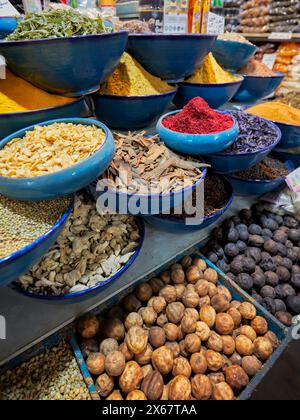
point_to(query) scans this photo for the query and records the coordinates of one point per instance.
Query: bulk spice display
(292, 99)
(270, 168)
(256, 68)
(277, 111)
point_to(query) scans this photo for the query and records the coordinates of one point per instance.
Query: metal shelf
(268, 37)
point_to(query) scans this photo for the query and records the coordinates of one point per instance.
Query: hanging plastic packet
(32, 6)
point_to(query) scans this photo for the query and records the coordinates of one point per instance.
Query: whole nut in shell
(96, 363)
(180, 289)
(115, 363)
(104, 385)
(169, 294)
(171, 331)
(157, 337)
(108, 345)
(244, 345)
(190, 299)
(133, 320)
(193, 274)
(188, 324)
(183, 350)
(145, 357)
(147, 369)
(202, 330)
(162, 360)
(131, 303)
(126, 352)
(208, 315)
(212, 290)
(220, 303)
(175, 312)
(181, 333)
(200, 263)
(136, 396)
(153, 386)
(115, 396)
(201, 387)
(224, 324)
(165, 394)
(181, 366)
(263, 348)
(198, 363)
(215, 342)
(236, 359)
(228, 345)
(205, 301)
(201, 287)
(260, 325)
(235, 304)
(215, 361)
(236, 377)
(162, 320)
(174, 347)
(216, 378)
(149, 315)
(180, 389)
(223, 290)
(131, 378)
(251, 365)
(136, 340)
(273, 339)
(193, 313)
(178, 276)
(166, 277)
(192, 343)
(88, 327)
(143, 292)
(248, 311)
(186, 262)
(222, 392)
(236, 316)
(114, 328)
(211, 276)
(88, 346)
(248, 332)
(159, 304)
(156, 284)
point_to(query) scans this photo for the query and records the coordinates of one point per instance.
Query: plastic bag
(255, 12)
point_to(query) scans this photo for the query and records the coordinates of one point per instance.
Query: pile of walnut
(191, 341)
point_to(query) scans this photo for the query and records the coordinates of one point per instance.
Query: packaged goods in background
(175, 16)
(152, 12)
(108, 7)
(206, 8)
(195, 16)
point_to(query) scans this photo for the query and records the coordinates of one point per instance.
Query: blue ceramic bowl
(131, 112)
(93, 291)
(290, 135)
(232, 55)
(288, 156)
(18, 263)
(196, 144)
(8, 25)
(10, 123)
(170, 57)
(62, 182)
(72, 66)
(215, 95)
(231, 162)
(173, 225)
(255, 88)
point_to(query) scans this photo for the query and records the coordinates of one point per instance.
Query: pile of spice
(270, 168)
(133, 26)
(131, 79)
(255, 134)
(91, 249)
(232, 36)
(142, 164)
(58, 23)
(48, 149)
(292, 99)
(198, 118)
(277, 111)
(17, 95)
(256, 68)
(21, 223)
(211, 72)
(53, 375)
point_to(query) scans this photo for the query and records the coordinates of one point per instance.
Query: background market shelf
(29, 321)
(271, 37)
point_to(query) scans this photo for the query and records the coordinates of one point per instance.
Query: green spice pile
(21, 223)
(57, 24)
(53, 375)
(268, 169)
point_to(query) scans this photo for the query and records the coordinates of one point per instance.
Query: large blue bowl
(233, 55)
(72, 66)
(76, 297)
(173, 225)
(62, 182)
(288, 156)
(170, 57)
(215, 95)
(255, 88)
(18, 263)
(8, 25)
(196, 144)
(10, 123)
(290, 135)
(131, 112)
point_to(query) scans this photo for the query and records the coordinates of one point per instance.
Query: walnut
(186, 262)
(273, 339)
(147, 369)
(183, 350)
(208, 315)
(180, 389)
(181, 333)
(235, 304)
(159, 304)
(190, 299)
(192, 343)
(115, 363)
(131, 303)
(236, 316)
(149, 315)
(248, 311)
(166, 277)
(244, 345)
(126, 352)
(236, 377)
(211, 276)
(216, 378)
(88, 327)
(108, 345)
(215, 342)
(202, 330)
(131, 378)
(114, 328)
(104, 385)
(145, 357)
(171, 331)
(136, 340)
(201, 264)
(96, 363)
(115, 396)
(178, 276)
(212, 290)
(248, 332)
(162, 360)
(263, 348)
(156, 285)
(222, 392)
(181, 367)
(251, 365)
(224, 324)
(198, 363)
(157, 336)
(259, 325)
(174, 347)
(188, 324)
(180, 289)
(88, 346)
(133, 320)
(202, 287)
(201, 387)
(193, 274)
(205, 301)
(143, 292)
(175, 312)
(162, 320)
(228, 345)
(236, 359)
(220, 303)
(165, 394)
(223, 290)
(153, 386)
(215, 361)
(193, 313)
(136, 396)
(169, 294)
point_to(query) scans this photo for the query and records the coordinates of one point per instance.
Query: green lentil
(21, 223)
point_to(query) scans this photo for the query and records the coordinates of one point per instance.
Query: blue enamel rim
(286, 125)
(10, 258)
(36, 111)
(174, 36)
(270, 147)
(67, 296)
(229, 41)
(277, 75)
(132, 98)
(214, 84)
(55, 40)
(21, 133)
(207, 218)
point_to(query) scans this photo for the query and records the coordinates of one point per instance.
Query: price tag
(293, 180)
(215, 24)
(269, 60)
(7, 9)
(281, 35)
(2, 68)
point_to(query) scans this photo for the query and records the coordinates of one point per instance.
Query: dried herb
(268, 169)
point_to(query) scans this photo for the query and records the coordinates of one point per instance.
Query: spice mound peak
(198, 118)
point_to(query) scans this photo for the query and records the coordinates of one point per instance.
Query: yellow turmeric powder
(17, 95)
(211, 72)
(131, 79)
(277, 111)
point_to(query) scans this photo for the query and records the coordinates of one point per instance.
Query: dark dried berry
(291, 222)
(223, 266)
(295, 281)
(293, 304)
(270, 224)
(294, 235)
(267, 234)
(245, 281)
(285, 318)
(259, 279)
(231, 250)
(255, 230)
(272, 278)
(267, 264)
(236, 266)
(277, 260)
(268, 291)
(213, 257)
(283, 274)
(228, 224)
(296, 269)
(254, 253)
(231, 276)
(236, 220)
(269, 305)
(280, 236)
(233, 236)
(278, 219)
(284, 290)
(255, 240)
(292, 254)
(217, 234)
(242, 246)
(281, 250)
(244, 235)
(280, 305)
(271, 247)
(241, 227)
(249, 265)
(257, 297)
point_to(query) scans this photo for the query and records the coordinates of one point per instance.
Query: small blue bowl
(8, 25)
(288, 156)
(10, 123)
(215, 95)
(233, 55)
(290, 135)
(196, 144)
(173, 225)
(17, 264)
(255, 88)
(73, 66)
(170, 57)
(131, 112)
(76, 297)
(62, 182)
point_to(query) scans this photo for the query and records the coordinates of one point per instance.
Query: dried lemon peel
(48, 149)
